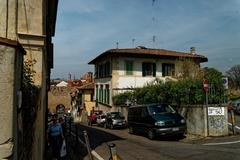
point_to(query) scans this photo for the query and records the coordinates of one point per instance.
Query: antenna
(154, 39)
(153, 1)
(133, 40)
(117, 44)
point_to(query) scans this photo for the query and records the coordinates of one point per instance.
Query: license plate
(119, 123)
(175, 129)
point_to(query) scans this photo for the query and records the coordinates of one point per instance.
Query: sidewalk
(193, 139)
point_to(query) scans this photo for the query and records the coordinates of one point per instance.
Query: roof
(148, 52)
(88, 86)
(62, 84)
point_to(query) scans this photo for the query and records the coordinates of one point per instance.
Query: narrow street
(137, 147)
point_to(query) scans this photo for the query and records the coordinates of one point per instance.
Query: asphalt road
(138, 147)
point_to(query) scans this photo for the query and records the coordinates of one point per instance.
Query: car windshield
(117, 115)
(161, 109)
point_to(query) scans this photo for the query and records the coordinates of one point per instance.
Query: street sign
(215, 111)
(205, 85)
(225, 82)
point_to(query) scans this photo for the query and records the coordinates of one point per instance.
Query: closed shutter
(154, 69)
(143, 69)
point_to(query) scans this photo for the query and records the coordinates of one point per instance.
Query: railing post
(76, 131)
(88, 145)
(233, 121)
(113, 151)
(70, 127)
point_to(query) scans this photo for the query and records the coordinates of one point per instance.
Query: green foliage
(184, 91)
(234, 77)
(121, 98)
(29, 108)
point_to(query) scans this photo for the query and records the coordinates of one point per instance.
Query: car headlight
(183, 121)
(159, 123)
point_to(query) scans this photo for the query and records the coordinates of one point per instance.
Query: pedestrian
(55, 137)
(63, 124)
(84, 115)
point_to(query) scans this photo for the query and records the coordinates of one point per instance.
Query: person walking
(55, 137)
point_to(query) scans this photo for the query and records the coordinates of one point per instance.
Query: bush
(184, 91)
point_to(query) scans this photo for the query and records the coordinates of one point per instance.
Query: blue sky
(86, 28)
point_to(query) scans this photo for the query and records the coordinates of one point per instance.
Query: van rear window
(161, 109)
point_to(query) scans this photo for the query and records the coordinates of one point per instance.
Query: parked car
(155, 119)
(114, 120)
(92, 118)
(101, 119)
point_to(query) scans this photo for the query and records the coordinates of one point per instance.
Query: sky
(87, 28)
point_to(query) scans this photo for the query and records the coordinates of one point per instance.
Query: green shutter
(97, 98)
(129, 67)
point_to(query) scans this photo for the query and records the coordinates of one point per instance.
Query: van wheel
(151, 134)
(131, 130)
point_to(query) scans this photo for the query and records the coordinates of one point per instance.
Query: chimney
(193, 50)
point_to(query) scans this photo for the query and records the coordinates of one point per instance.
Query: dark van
(155, 119)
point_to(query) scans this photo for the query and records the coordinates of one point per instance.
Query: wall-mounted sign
(225, 82)
(215, 111)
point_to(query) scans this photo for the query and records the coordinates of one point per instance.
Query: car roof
(146, 105)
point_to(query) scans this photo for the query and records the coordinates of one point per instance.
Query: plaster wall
(197, 124)
(8, 19)
(10, 82)
(30, 17)
(32, 35)
(35, 56)
(121, 80)
(7, 63)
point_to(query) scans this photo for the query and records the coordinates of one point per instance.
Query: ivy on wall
(29, 107)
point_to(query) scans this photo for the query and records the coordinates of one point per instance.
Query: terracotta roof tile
(149, 52)
(87, 86)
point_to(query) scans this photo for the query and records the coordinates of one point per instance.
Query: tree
(189, 70)
(234, 76)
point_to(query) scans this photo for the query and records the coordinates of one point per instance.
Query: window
(129, 67)
(107, 94)
(148, 69)
(168, 69)
(97, 98)
(101, 93)
(103, 70)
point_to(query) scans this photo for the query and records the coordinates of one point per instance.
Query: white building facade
(119, 70)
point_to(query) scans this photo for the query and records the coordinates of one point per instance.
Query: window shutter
(154, 69)
(143, 69)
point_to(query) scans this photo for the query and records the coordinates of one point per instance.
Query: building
(26, 27)
(86, 93)
(119, 70)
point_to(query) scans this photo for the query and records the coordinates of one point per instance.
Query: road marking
(235, 126)
(222, 143)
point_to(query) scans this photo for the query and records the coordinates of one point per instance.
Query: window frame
(153, 70)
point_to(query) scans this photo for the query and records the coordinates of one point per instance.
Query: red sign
(205, 85)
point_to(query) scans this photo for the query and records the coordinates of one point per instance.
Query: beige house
(26, 27)
(86, 93)
(119, 70)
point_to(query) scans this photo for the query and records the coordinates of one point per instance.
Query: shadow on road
(96, 137)
(164, 138)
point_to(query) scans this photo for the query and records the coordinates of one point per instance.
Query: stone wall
(198, 124)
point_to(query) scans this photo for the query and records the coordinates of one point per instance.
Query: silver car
(101, 119)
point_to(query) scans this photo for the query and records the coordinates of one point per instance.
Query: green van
(155, 119)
